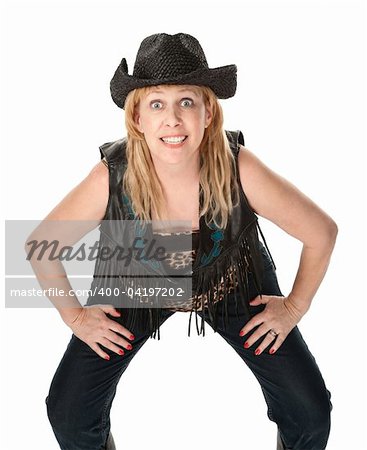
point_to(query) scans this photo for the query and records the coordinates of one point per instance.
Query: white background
(301, 105)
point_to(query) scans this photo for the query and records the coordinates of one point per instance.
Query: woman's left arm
(273, 197)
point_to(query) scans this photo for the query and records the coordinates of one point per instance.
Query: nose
(172, 117)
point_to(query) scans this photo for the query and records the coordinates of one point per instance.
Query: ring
(272, 332)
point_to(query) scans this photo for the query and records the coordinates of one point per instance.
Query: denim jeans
(84, 385)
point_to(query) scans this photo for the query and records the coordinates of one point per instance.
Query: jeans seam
(104, 412)
(270, 409)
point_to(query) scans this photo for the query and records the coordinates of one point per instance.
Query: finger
(96, 348)
(109, 309)
(259, 300)
(279, 341)
(118, 328)
(106, 342)
(256, 335)
(252, 323)
(116, 339)
(268, 339)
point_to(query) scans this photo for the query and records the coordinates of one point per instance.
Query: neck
(178, 177)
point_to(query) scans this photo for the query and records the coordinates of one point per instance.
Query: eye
(155, 103)
(187, 102)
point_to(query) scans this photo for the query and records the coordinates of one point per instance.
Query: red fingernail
(257, 351)
(121, 352)
(129, 347)
(246, 345)
(107, 357)
(132, 337)
(272, 351)
(241, 333)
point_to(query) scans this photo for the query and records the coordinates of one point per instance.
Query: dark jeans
(84, 385)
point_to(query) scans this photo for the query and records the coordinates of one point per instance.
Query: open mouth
(174, 140)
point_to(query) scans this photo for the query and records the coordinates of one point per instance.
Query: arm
(273, 197)
(86, 203)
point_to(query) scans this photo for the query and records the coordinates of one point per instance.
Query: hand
(279, 314)
(93, 327)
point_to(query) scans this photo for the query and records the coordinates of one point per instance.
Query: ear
(137, 121)
(208, 117)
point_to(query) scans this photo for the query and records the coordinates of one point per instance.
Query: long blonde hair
(217, 175)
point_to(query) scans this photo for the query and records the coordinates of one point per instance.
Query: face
(173, 119)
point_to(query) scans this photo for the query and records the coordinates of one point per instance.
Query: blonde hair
(217, 175)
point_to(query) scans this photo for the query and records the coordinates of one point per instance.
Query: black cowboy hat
(172, 59)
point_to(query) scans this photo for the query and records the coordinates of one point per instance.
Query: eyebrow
(180, 90)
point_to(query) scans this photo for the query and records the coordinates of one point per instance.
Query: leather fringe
(240, 259)
(243, 258)
(125, 284)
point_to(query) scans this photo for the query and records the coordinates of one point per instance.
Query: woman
(177, 163)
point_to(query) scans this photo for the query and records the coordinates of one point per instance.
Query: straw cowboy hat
(172, 59)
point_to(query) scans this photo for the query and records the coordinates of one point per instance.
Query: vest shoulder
(235, 138)
(114, 152)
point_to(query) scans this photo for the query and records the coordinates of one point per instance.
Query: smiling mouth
(174, 140)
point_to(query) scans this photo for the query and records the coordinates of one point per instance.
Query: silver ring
(272, 332)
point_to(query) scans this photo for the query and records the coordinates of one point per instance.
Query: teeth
(174, 140)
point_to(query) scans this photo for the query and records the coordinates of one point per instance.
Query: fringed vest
(233, 251)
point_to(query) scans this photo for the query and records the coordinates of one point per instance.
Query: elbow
(329, 235)
(322, 236)
(28, 241)
(27, 248)
(332, 231)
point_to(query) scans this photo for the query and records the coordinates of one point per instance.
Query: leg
(291, 382)
(82, 391)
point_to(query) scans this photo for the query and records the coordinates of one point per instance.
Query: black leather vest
(235, 249)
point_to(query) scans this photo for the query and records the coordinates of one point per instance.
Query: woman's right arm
(84, 206)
